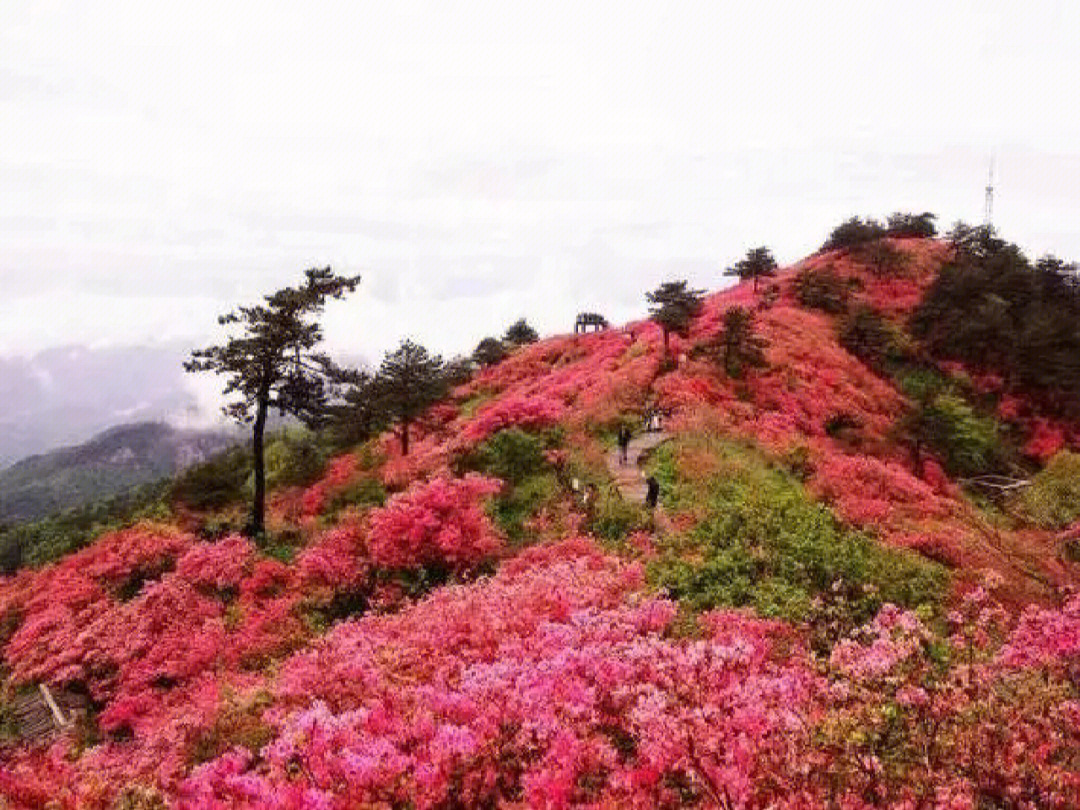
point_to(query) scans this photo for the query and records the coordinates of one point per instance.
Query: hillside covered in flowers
(828, 608)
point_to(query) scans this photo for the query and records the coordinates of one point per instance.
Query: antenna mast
(988, 214)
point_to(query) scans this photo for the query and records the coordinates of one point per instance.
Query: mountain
(857, 588)
(60, 396)
(114, 460)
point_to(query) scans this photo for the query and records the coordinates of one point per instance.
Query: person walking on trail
(623, 437)
(652, 493)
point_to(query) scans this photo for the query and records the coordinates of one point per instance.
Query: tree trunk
(258, 504)
(666, 333)
(404, 437)
(755, 277)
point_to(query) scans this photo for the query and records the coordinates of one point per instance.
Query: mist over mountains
(63, 395)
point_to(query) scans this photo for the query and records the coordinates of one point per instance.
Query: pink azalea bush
(551, 685)
(530, 412)
(439, 522)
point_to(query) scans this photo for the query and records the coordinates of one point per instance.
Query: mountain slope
(110, 462)
(817, 615)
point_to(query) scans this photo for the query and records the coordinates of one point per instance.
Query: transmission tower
(988, 214)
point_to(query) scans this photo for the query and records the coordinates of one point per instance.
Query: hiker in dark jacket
(652, 494)
(623, 437)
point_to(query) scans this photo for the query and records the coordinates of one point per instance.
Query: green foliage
(517, 457)
(39, 542)
(614, 519)
(488, 352)
(968, 443)
(943, 419)
(993, 310)
(881, 258)
(410, 380)
(360, 494)
(518, 502)
(294, 457)
(740, 347)
(821, 289)
(673, 305)
(853, 232)
(11, 552)
(215, 483)
(519, 333)
(871, 338)
(758, 263)
(357, 415)
(764, 542)
(1053, 499)
(512, 455)
(903, 225)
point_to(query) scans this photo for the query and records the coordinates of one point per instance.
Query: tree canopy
(758, 263)
(272, 363)
(489, 351)
(409, 381)
(992, 309)
(520, 332)
(673, 306)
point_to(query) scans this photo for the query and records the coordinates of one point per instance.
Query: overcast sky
(160, 162)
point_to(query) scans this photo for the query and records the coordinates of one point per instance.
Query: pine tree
(519, 333)
(273, 364)
(673, 307)
(740, 347)
(410, 380)
(489, 351)
(759, 262)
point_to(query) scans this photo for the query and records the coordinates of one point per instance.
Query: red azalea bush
(529, 412)
(545, 687)
(339, 472)
(440, 522)
(336, 559)
(217, 565)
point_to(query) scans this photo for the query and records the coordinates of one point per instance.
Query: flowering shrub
(904, 731)
(219, 565)
(525, 412)
(572, 697)
(222, 678)
(438, 523)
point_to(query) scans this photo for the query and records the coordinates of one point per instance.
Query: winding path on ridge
(628, 477)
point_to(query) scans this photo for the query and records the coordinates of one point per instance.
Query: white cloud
(482, 161)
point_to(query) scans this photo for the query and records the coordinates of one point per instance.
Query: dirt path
(628, 476)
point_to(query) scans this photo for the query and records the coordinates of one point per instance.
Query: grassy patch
(760, 540)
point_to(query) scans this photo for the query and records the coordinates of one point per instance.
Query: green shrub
(969, 444)
(512, 455)
(1053, 499)
(854, 232)
(871, 338)
(518, 502)
(362, 493)
(765, 543)
(614, 519)
(821, 289)
(294, 457)
(216, 482)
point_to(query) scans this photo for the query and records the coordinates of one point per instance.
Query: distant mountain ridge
(60, 396)
(112, 461)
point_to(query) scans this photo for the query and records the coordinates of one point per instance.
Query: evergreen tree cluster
(993, 309)
(854, 232)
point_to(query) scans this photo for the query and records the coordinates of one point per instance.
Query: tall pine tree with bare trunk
(273, 364)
